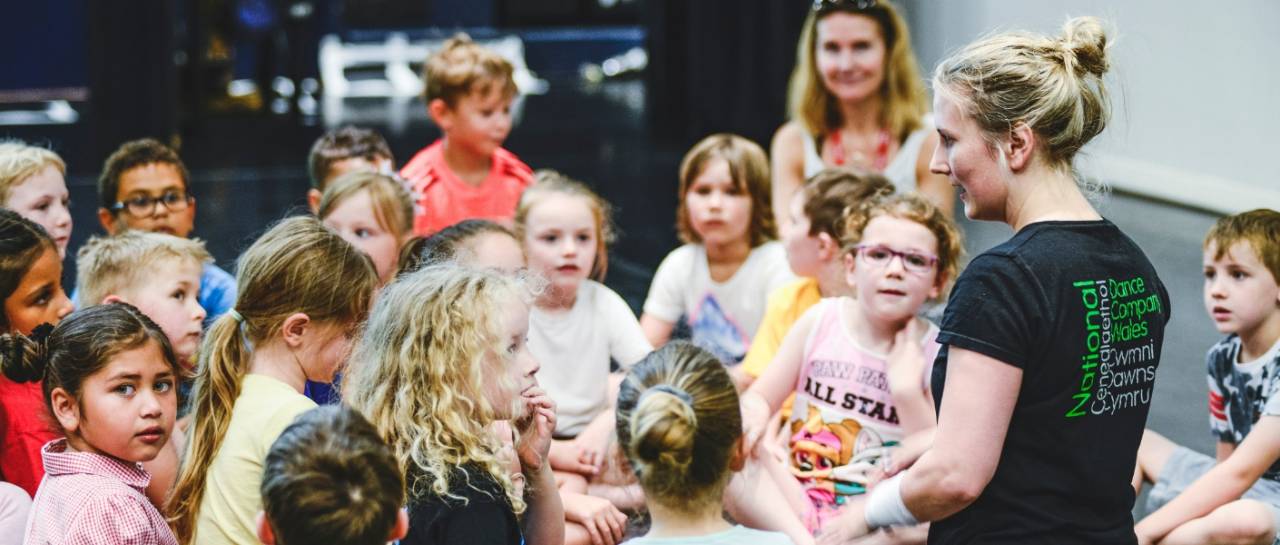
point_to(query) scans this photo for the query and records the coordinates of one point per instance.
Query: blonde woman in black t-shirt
(1051, 339)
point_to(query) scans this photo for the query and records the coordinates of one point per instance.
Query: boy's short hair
(131, 155)
(341, 144)
(1260, 228)
(462, 66)
(330, 478)
(121, 263)
(830, 195)
(19, 161)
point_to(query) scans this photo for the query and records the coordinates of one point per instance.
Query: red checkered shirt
(88, 498)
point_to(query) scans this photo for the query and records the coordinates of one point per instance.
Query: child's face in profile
(478, 122)
(124, 410)
(155, 180)
(719, 211)
(355, 221)
(893, 287)
(38, 297)
(493, 251)
(1240, 293)
(170, 299)
(560, 239)
(513, 369)
(43, 199)
(803, 249)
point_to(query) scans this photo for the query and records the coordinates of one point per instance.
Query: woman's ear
(65, 410)
(1019, 148)
(295, 328)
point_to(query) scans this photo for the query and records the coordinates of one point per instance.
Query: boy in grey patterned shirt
(1235, 498)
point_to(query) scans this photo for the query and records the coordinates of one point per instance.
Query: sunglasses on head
(830, 5)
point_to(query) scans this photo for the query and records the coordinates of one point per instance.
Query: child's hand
(906, 360)
(570, 456)
(849, 525)
(755, 419)
(602, 520)
(535, 429)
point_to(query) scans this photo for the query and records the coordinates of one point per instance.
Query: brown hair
(298, 265)
(19, 161)
(1260, 228)
(462, 67)
(341, 144)
(392, 205)
(678, 423)
(329, 478)
(830, 195)
(749, 168)
(911, 206)
(22, 242)
(111, 265)
(131, 155)
(82, 344)
(548, 182)
(1053, 85)
(905, 101)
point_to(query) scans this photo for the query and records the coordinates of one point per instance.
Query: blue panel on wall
(43, 45)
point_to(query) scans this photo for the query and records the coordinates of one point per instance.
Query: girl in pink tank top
(858, 365)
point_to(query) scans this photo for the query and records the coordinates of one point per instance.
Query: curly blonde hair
(418, 373)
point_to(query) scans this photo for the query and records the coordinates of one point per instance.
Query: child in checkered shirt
(109, 376)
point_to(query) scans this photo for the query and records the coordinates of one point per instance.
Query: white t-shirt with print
(574, 348)
(722, 316)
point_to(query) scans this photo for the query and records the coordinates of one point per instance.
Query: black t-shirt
(485, 518)
(1079, 308)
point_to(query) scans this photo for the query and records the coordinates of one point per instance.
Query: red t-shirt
(25, 427)
(442, 199)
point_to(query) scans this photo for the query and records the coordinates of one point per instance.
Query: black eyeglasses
(142, 206)
(857, 5)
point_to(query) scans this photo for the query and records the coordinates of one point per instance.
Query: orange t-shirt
(442, 199)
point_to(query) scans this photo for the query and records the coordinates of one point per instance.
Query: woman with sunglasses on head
(856, 99)
(1050, 340)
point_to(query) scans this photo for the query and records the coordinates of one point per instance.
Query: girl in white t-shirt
(576, 327)
(720, 279)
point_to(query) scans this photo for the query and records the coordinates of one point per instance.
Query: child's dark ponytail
(25, 358)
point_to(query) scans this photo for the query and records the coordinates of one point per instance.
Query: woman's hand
(535, 430)
(603, 521)
(849, 525)
(755, 419)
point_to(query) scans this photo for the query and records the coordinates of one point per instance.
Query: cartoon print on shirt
(833, 460)
(713, 330)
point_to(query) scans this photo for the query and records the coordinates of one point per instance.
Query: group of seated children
(493, 389)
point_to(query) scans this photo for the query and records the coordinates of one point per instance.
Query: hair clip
(673, 390)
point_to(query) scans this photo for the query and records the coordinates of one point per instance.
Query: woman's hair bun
(1084, 44)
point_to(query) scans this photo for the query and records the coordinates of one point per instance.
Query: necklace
(881, 160)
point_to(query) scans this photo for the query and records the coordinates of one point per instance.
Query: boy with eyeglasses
(144, 186)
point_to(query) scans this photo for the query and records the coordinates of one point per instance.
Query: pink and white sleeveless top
(843, 420)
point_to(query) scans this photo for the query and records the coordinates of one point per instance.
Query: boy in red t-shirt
(466, 174)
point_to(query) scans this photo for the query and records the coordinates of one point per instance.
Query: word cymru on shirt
(1116, 345)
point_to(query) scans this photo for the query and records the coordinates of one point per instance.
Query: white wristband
(885, 506)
